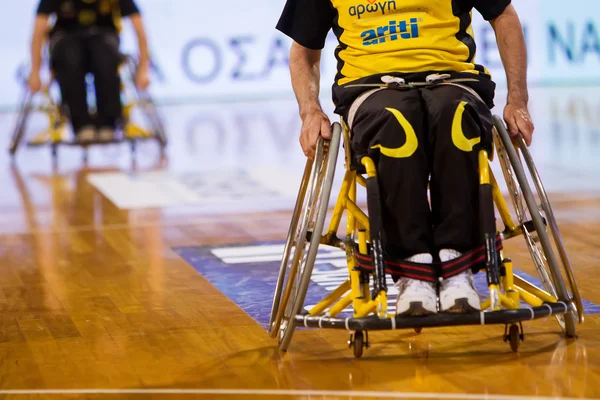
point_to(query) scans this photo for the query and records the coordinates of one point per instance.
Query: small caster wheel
(54, 152)
(358, 341)
(418, 330)
(133, 147)
(358, 344)
(514, 336)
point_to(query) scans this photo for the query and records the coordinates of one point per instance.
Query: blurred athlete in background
(85, 39)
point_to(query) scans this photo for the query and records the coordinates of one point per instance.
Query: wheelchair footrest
(94, 142)
(373, 323)
(75, 143)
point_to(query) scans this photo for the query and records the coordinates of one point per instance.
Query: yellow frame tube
(361, 180)
(501, 205)
(369, 166)
(529, 298)
(363, 309)
(508, 302)
(351, 221)
(338, 210)
(486, 304)
(330, 298)
(484, 168)
(381, 302)
(508, 282)
(358, 214)
(355, 295)
(505, 301)
(525, 286)
(340, 305)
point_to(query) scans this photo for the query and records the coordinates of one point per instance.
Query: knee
(107, 48)
(388, 106)
(66, 57)
(457, 104)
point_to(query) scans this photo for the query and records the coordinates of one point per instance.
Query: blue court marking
(247, 274)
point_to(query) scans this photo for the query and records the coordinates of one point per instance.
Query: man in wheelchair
(85, 39)
(416, 102)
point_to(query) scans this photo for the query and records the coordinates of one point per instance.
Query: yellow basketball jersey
(403, 36)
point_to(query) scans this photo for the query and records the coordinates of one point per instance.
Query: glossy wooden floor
(94, 298)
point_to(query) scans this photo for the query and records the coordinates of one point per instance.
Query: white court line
(267, 392)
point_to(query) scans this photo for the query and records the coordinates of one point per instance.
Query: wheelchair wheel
(147, 105)
(306, 236)
(19, 132)
(154, 118)
(551, 220)
(537, 239)
(290, 243)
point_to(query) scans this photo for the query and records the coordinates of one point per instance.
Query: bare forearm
(305, 74)
(138, 26)
(144, 55)
(513, 52)
(37, 42)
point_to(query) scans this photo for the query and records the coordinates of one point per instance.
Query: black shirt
(79, 14)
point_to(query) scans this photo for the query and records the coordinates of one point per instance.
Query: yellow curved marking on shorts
(408, 148)
(458, 136)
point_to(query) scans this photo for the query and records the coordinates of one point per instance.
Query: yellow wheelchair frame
(370, 307)
(57, 133)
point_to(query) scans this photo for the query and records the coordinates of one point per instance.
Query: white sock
(449, 255)
(422, 258)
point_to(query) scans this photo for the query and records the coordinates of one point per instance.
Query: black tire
(524, 201)
(358, 344)
(314, 213)
(514, 337)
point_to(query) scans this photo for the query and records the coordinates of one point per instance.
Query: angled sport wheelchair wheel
(303, 240)
(533, 219)
(19, 132)
(154, 118)
(147, 106)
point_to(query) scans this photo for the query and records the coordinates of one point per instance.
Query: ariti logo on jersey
(393, 31)
(374, 6)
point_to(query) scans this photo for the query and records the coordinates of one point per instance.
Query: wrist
(310, 109)
(518, 98)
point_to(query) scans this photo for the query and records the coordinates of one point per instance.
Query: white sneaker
(458, 294)
(416, 297)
